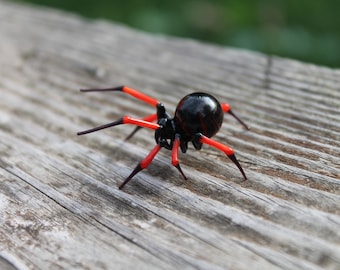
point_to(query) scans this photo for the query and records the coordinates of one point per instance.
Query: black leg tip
(233, 159)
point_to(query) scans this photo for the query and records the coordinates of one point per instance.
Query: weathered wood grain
(59, 202)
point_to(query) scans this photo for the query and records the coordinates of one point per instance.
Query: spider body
(197, 118)
(198, 113)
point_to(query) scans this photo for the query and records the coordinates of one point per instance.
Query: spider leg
(123, 120)
(226, 108)
(174, 155)
(127, 90)
(149, 118)
(224, 148)
(142, 164)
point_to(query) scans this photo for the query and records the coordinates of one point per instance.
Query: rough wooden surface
(59, 202)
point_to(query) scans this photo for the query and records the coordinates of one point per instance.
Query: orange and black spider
(198, 117)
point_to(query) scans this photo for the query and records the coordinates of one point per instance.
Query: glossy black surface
(198, 113)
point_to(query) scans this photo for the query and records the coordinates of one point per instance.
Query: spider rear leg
(135, 93)
(142, 164)
(226, 108)
(174, 155)
(224, 148)
(123, 120)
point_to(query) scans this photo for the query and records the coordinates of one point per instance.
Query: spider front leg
(148, 159)
(226, 108)
(226, 149)
(123, 120)
(135, 93)
(161, 113)
(142, 165)
(174, 155)
(149, 118)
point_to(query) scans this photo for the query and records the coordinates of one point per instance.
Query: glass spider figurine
(198, 117)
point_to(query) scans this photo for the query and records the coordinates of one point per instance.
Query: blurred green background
(307, 30)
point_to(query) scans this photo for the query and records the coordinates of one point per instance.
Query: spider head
(165, 134)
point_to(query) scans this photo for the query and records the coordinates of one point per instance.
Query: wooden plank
(59, 201)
